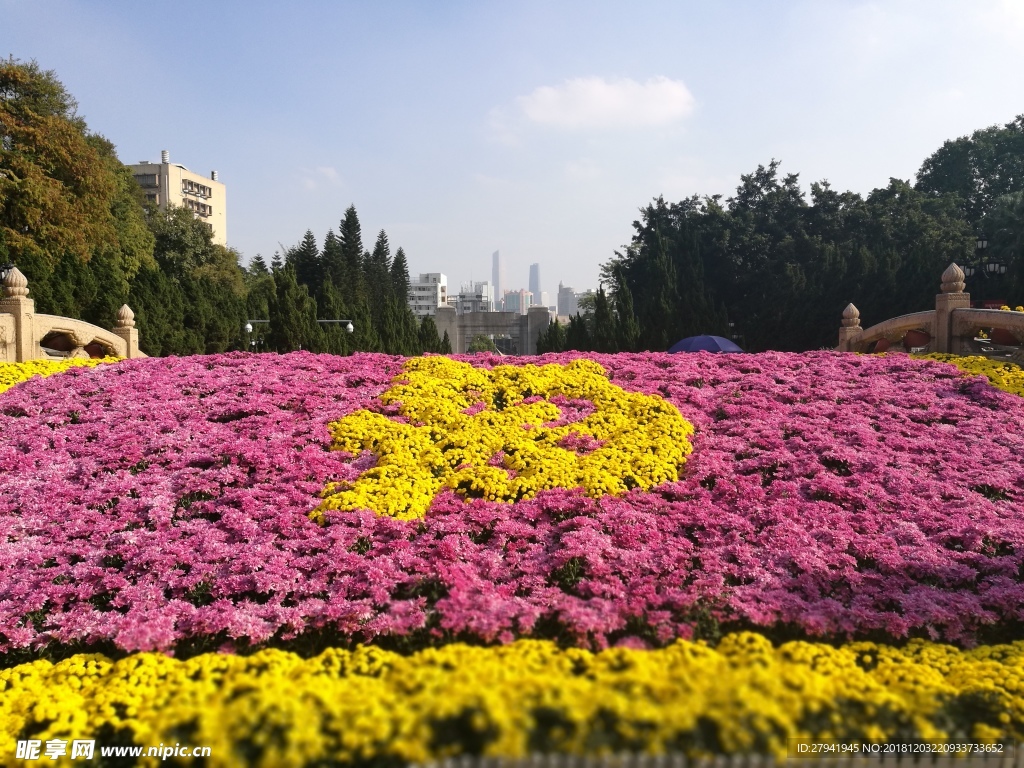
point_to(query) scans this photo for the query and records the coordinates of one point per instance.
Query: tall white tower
(497, 277)
(535, 283)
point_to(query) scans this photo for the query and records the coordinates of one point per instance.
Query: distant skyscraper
(535, 283)
(567, 304)
(497, 274)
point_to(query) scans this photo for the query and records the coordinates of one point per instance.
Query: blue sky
(536, 128)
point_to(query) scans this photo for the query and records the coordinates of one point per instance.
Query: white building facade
(475, 297)
(166, 183)
(428, 292)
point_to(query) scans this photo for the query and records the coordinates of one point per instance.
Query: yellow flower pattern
(15, 373)
(1002, 374)
(511, 449)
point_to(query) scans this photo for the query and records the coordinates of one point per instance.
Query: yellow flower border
(503, 452)
(276, 709)
(12, 374)
(1003, 374)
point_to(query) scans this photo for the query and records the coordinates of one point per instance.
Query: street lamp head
(349, 328)
(982, 241)
(248, 327)
(968, 271)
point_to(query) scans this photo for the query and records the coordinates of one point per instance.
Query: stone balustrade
(951, 327)
(25, 335)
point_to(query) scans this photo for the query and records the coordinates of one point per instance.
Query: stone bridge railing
(951, 327)
(24, 335)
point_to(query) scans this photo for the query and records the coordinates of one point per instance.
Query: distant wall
(523, 329)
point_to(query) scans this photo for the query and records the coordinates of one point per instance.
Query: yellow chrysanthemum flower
(495, 435)
(274, 708)
(15, 373)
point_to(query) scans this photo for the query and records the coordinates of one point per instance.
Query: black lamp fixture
(982, 263)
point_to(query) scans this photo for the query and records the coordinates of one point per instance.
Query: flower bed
(1003, 374)
(226, 503)
(15, 373)
(368, 705)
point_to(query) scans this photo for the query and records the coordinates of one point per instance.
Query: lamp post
(983, 265)
(346, 324)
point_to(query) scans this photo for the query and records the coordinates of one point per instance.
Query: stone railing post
(125, 328)
(952, 297)
(23, 309)
(850, 328)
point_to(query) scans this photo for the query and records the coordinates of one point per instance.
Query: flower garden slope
(825, 495)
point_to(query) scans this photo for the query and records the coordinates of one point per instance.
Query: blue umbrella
(704, 344)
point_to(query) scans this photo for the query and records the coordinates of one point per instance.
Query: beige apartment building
(171, 183)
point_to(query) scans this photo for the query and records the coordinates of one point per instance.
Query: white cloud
(593, 102)
(314, 178)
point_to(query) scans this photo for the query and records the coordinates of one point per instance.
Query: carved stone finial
(953, 279)
(125, 317)
(15, 284)
(851, 317)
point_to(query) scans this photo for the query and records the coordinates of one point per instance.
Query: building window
(199, 190)
(146, 179)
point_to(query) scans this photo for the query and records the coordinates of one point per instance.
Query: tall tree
(577, 334)
(429, 339)
(258, 266)
(1004, 225)
(65, 200)
(332, 260)
(627, 326)
(400, 276)
(293, 320)
(605, 334)
(351, 242)
(306, 259)
(977, 169)
(337, 339)
(552, 339)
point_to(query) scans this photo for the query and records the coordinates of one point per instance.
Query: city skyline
(539, 129)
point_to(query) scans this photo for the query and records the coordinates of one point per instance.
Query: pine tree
(377, 273)
(552, 339)
(159, 305)
(388, 324)
(351, 241)
(293, 321)
(258, 266)
(628, 327)
(400, 276)
(446, 344)
(332, 261)
(306, 259)
(577, 335)
(606, 333)
(337, 339)
(429, 339)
